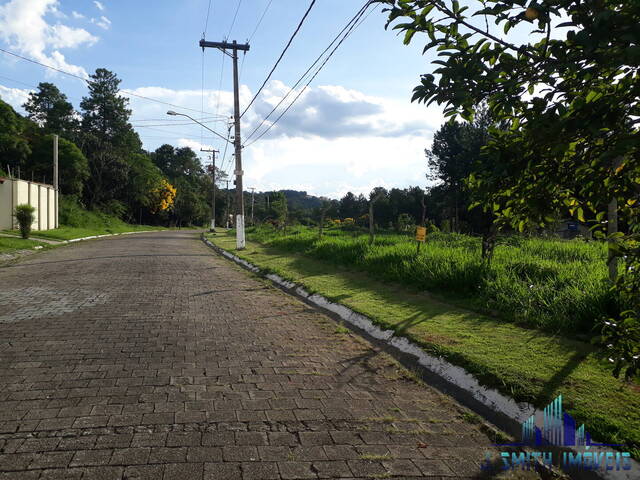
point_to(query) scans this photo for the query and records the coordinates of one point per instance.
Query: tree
(104, 111)
(376, 194)
(569, 95)
(49, 108)
(72, 164)
(14, 148)
(107, 139)
(279, 208)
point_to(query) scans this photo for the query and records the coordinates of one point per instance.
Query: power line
(280, 57)
(206, 22)
(234, 18)
(350, 25)
(125, 91)
(211, 119)
(259, 21)
(173, 124)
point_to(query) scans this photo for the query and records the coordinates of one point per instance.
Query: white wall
(40, 196)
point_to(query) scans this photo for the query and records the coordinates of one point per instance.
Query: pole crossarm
(224, 45)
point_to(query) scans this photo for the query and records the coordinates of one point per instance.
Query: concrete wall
(40, 196)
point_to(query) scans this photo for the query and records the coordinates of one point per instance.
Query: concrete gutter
(499, 409)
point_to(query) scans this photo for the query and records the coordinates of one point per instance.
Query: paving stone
(184, 471)
(150, 357)
(220, 470)
(296, 470)
(260, 471)
(332, 469)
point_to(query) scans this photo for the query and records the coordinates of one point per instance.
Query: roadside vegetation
(551, 284)
(9, 244)
(526, 364)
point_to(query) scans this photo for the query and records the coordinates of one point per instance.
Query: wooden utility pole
(213, 188)
(234, 47)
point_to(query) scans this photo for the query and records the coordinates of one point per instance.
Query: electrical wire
(206, 22)
(259, 21)
(125, 91)
(349, 26)
(280, 57)
(234, 18)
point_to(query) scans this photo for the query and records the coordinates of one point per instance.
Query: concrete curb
(450, 379)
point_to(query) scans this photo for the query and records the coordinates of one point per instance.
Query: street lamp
(171, 112)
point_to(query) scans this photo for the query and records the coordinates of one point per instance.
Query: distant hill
(301, 200)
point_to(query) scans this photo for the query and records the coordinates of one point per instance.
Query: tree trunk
(489, 243)
(612, 227)
(371, 227)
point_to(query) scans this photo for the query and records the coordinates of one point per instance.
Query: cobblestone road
(149, 357)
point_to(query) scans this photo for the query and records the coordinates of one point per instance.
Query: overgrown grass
(525, 364)
(8, 244)
(554, 285)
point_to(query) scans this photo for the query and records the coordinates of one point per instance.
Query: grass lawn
(9, 244)
(526, 364)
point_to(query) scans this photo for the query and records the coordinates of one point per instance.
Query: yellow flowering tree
(163, 196)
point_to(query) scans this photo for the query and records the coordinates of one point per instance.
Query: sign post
(421, 237)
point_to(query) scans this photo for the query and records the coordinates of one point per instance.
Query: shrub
(25, 217)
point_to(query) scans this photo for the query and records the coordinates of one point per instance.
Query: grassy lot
(10, 244)
(554, 285)
(527, 364)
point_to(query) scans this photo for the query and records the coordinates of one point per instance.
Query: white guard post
(240, 232)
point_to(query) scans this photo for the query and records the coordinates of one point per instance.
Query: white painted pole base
(240, 243)
(212, 228)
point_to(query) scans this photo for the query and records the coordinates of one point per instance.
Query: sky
(355, 128)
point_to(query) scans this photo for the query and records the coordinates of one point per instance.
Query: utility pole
(253, 192)
(213, 188)
(234, 47)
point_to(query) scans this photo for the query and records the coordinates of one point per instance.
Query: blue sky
(354, 129)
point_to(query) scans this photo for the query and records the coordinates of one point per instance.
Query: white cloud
(194, 145)
(76, 15)
(14, 97)
(103, 22)
(24, 28)
(332, 111)
(99, 5)
(333, 141)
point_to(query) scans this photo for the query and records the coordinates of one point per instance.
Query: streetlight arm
(171, 112)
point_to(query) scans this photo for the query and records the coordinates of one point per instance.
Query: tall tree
(107, 139)
(14, 148)
(104, 111)
(49, 108)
